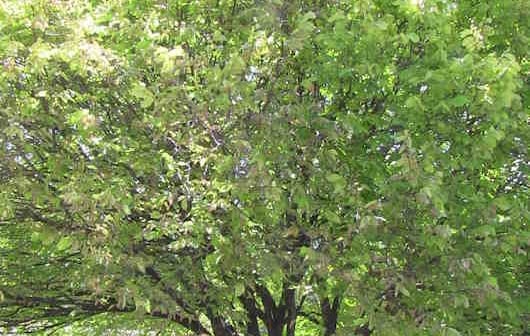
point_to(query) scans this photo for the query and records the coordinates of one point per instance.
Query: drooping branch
(44, 310)
(39, 312)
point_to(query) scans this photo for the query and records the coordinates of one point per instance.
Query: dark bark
(249, 302)
(291, 310)
(363, 330)
(329, 315)
(220, 326)
(272, 314)
(278, 318)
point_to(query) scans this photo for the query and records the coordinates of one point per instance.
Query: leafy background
(348, 167)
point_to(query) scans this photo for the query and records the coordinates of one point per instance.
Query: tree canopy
(265, 167)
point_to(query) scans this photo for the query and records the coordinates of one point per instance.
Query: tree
(266, 167)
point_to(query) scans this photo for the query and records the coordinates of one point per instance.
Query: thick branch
(253, 312)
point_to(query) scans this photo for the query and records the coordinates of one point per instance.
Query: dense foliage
(265, 167)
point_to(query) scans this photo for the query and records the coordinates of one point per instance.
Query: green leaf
(451, 332)
(339, 183)
(144, 94)
(413, 37)
(239, 289)
(402, 289)
(333, 217)
(64, 244)
(460, 100)
(334, 178)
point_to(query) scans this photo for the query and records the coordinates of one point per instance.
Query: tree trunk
(276, 329)
(253, 328)
(329, 315)
(270, 312)
(249, 302)
(290, 318)
(220, 327)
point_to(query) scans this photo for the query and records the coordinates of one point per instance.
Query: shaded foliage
(266, 167)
